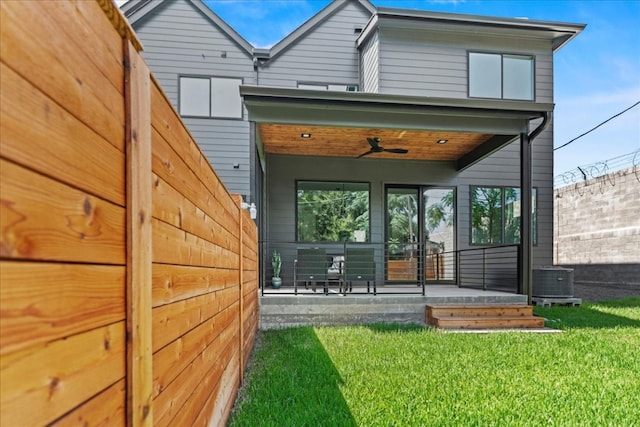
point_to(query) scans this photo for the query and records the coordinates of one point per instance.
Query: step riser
(483, 317)
(490, 323)
(482, 311)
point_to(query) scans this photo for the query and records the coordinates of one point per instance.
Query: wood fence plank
(76, 368)
(172, 359)
(139, 240)
(209, 362)
(175, 246)
(174, 208)
(214, 201)
(173, 283)
(226, 387)
(107, 409)
(41, 219)
(87, 84)
(172, 321)
(42, 302)
(40, 134)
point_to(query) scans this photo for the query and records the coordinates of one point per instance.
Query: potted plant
(276, 263)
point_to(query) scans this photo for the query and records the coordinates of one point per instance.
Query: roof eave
(360, 109)
(136, 10)
(560, 33)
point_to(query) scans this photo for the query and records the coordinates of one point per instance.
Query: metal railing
(398, 268)
(489, 268)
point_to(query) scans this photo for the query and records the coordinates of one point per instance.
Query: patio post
(525, 217)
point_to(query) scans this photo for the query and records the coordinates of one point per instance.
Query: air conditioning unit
(553, 282)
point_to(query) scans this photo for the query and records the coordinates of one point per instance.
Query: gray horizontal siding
(327, 54)
(428, 63)
(503, 169)
(282, 172)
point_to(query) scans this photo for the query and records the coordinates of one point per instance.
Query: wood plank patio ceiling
(352, 142)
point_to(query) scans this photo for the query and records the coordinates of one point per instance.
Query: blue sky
(597, 75)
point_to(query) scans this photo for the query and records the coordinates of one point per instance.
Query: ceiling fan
(376, 148)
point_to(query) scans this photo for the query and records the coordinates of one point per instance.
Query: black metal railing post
(484, 269)
(458, 270)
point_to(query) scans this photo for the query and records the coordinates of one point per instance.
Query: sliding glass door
(419, 233)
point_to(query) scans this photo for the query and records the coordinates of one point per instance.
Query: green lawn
(391, 375)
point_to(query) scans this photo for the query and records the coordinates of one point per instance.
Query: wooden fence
(128, 274)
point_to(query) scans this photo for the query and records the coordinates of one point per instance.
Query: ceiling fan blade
(396, 150)
(365, 154)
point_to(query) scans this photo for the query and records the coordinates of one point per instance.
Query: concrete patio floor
(279, 308)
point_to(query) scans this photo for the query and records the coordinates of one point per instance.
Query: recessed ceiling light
(442, 141)
(305, 135)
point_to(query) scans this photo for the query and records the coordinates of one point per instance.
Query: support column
(526, 241)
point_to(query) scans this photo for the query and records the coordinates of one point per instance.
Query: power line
(591, 130)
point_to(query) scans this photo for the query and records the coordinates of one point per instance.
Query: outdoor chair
(359, 266)
(310, 267)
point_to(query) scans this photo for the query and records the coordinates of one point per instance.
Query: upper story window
(317, 86)
(501, 76)
(217, 97)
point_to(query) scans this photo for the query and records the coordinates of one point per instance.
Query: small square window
(210, 97)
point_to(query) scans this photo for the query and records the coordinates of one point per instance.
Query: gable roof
(135, 10)
(316, 20)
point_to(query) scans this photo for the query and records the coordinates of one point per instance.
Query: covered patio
(298, 129)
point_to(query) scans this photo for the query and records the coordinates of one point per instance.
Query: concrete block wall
(598, 221)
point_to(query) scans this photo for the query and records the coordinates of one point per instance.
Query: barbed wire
(599, 169)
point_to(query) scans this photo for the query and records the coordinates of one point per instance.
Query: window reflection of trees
(332, 215)
(495, 215)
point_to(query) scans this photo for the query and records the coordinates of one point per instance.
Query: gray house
(420, 136)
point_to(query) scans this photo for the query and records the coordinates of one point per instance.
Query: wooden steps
(482, 317)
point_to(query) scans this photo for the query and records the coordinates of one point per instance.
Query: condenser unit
(553, 282)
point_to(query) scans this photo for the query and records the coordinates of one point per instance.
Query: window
(338, 88)
(501, 76)
(495, 215)
(332, 211)
(217, 97)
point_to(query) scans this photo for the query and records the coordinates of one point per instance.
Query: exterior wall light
(442, 141)
(253, 211)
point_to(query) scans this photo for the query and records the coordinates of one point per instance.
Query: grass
(394, 375)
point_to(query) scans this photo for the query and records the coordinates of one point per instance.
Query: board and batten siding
(179, 40)
(326, 54)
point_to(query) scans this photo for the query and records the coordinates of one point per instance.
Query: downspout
(526, 222)
(546, 119)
